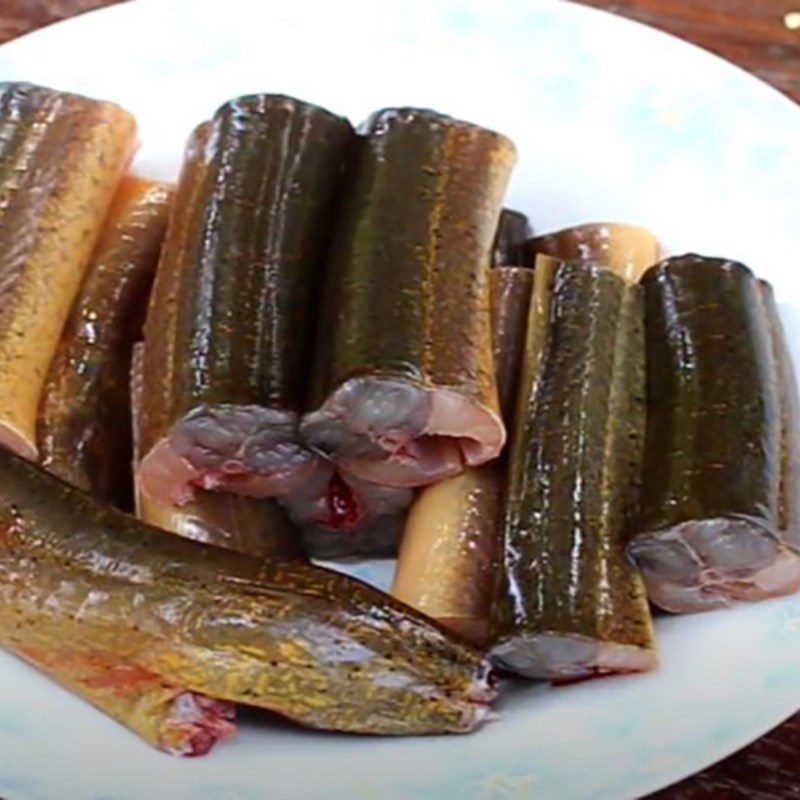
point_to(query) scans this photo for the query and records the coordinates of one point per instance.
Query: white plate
(612, 120)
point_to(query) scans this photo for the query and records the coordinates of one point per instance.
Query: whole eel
(84, 583)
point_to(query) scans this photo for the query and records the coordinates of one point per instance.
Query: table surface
(764, 37)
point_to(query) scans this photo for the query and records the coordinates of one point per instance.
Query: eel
(445, 567)
(447, 561)
(83, 583)
(511, 290)
(85, 416)
(62, 157)
(403, 391)
(258, 527)
(789, 488)
(721, 448)
(513, 231)
(628, 250)
(228, 329)
(568, 603)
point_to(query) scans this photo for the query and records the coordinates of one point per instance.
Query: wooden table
(764, 37)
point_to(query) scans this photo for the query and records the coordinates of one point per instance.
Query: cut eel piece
(789, 489)
(61, 159)
(229, 323)
(513, 231)
(249, 525)
(511, 291)
(628, 250)
(569, 604)
(257, 527)
(315, 646)
(719, 505)
(403, 390)
(447, 561)
(85, 416)
(445, 567)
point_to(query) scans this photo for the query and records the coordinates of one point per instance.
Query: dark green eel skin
(569, 604)
(228, 330)
(511, 290)
(717, 458)
(83, 585)
(403, 391)
(513, 230)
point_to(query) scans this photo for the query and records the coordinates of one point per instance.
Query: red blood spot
(200, 742)
(206, 734)
(216, 724)
(344, 510)
(122, 679)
